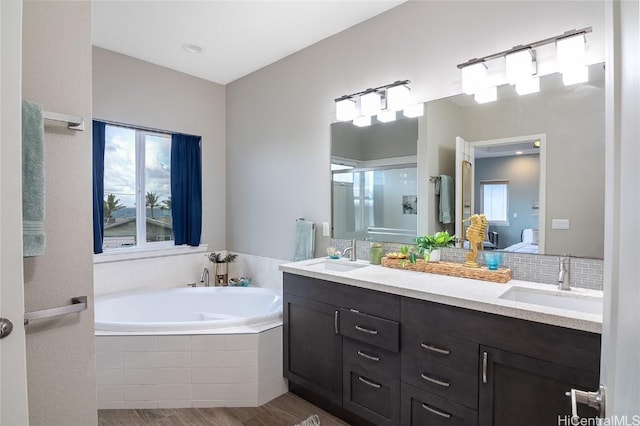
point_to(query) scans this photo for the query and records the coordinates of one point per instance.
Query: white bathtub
(189, 347)
(187, 309)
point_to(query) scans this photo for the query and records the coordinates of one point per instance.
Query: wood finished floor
(286, 410)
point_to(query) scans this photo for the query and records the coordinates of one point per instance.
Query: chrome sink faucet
(204, 279)
(564, 278)
(351, 250)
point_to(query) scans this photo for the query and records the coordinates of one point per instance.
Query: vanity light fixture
(521, 65)
(382, 101)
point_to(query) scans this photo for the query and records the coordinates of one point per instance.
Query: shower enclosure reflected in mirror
(374, 181)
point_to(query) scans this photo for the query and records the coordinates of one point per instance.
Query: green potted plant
(221, 266)
(429, 246)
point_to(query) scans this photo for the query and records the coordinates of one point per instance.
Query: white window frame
(141, 213)
(496, 182)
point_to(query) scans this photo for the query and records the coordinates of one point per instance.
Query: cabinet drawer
(371, 396)
(371, 358)
(435, 378)
(435, 346)
(346, 296)
(369, 329)
(423, 408)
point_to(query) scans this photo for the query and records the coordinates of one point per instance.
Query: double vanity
(383, 346)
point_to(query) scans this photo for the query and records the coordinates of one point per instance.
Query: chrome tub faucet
(204, 279)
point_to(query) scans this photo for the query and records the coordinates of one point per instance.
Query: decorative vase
(434, 256)
(222, 274)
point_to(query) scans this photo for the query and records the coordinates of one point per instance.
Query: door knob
(6, 327)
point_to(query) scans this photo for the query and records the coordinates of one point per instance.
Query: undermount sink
(555, 299)
(336, 265)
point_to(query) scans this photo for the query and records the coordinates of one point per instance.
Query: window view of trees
(136, 215)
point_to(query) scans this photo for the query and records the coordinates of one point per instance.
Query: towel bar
(77, 304)
(73, 122)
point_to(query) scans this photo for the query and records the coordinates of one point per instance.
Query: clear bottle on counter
(375, 253)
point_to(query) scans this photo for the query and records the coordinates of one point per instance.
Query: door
(621, 340)
(13, 382)
(464, 184)
(312, 346)
(520, 390)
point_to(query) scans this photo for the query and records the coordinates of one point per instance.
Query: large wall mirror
(536, 165)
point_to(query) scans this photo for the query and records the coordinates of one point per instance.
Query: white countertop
(466, 293)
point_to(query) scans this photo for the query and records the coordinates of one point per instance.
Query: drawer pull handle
(437, 412)
(336, 326)
(369, 357)
(366, 330)
(435, 349)
(435, 381)
(369, 382)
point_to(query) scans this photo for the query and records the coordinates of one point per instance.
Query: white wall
(278, 117)
(60, 352)
(131, 91)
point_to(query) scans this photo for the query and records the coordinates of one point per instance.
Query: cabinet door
(312, 347)
(518, 390)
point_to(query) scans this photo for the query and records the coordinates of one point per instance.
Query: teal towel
(33, 235)
(305, 240)
(446, 189)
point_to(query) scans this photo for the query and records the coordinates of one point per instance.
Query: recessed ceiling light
(518, 152)
(191, 48)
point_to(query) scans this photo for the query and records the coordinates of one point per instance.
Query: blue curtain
(186, 189)
(98, 185)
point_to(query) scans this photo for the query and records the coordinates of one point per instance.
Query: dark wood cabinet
(383, 359)
(517, 389)
(312, 347)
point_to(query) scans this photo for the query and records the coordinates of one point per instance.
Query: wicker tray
(502, 275)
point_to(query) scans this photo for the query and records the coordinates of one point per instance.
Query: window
(137, 188)
(494, 201)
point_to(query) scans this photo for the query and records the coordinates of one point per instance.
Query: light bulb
(473, 77)
(519, 66)
(345, 109)
(397, 97)
(487, 94)
(415, 110)
(370, 103)
(362, 121)
(386, 116)
(528, 86)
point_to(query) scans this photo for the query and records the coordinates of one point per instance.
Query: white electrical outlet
(560, 224)
(325, 229)
(515, 215)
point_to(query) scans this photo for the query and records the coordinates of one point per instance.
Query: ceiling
(237, 37)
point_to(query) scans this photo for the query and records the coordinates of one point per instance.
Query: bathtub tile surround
(113, 275)
(585, 273)
(242, 370)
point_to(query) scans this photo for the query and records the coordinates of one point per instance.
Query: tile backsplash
(585, 273)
